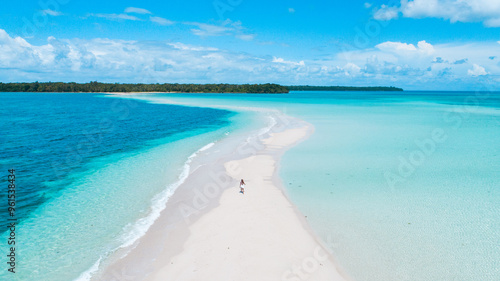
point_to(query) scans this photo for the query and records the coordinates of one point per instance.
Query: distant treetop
(97, 87)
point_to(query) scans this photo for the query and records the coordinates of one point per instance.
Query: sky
(413, 44)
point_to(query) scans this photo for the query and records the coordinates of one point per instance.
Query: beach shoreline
(182, 224)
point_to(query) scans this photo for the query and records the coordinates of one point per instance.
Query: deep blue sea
(47, 137)
(87, 166)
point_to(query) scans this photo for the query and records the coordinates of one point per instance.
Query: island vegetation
(342, 88)
(97, 87)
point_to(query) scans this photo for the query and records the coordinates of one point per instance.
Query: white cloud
(386, 13)
(161, 21)
(368, 5)
(477, 71)
(395, 46)
(137, 11)
(119, 60)
(291, 10)
(415, 65)
(425, 47)
(494, 22)
(206, 30)
(351, 69)
(412, 66)
(486, 11)
(182, 46)
(226, 28)
(281, 60)
(116, 17)
(422, 47)
(51, 12)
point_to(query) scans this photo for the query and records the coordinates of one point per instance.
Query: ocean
(403, 186)
(400, 185)
(92, 173)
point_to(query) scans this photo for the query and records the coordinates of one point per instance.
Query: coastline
(183, 221)
(256, 230)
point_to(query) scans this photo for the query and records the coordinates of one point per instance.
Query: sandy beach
(255, 236)
(259, 235)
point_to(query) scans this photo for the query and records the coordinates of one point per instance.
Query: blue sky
(414, 44)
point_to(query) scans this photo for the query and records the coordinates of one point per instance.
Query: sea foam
(134, 231)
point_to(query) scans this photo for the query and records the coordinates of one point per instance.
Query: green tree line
(97, 87)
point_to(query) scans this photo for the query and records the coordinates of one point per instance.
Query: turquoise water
(436, 219)
(402, 186)
(93, 173)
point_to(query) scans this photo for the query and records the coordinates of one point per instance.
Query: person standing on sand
(242, 186)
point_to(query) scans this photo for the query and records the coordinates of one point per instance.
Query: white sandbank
(258, 235)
